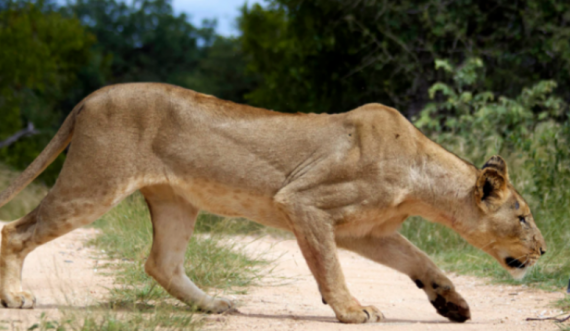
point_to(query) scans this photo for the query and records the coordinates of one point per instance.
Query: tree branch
(559, 320)
(30, 130)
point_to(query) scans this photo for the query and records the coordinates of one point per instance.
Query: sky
(226, 11)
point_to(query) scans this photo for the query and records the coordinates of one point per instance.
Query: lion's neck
(443, 188)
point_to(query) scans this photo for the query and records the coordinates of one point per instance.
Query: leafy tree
(39, 58)
(73, 50)
(145, 39)
(222, 71)
(332, 56)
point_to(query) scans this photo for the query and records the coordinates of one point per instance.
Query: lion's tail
(58, 143)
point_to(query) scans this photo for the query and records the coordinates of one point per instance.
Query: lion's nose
(542, 251)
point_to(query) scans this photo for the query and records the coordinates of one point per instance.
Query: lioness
(347, 180)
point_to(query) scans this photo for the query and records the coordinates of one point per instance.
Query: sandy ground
(61, 274)
(289, 299)
(64, 273)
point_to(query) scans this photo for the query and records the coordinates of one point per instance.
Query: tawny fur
(347, 180)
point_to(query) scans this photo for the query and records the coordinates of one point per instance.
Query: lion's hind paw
(218, 306)
(22, 300)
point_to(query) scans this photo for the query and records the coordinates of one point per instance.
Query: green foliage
(332, 56)
(145, 39)
(210, 223)
(462, 109)
(222, 71)
(528, 131)
(100, 319)
(39, 59)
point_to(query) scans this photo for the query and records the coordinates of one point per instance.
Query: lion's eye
(522, 219)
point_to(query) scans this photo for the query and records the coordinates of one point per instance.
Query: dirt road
(65, 273)
(297, 305)
(61, 273)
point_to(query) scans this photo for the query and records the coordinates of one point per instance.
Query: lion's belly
(233, 202)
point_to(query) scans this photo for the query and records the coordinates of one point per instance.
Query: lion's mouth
(514, 263)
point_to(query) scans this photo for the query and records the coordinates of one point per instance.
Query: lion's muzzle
(514, 263)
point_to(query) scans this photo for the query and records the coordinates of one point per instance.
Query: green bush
(531, 132)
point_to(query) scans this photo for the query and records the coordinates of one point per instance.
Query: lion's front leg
(315, 237)
(397, 252)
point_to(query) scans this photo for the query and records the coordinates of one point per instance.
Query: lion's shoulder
(379, 119)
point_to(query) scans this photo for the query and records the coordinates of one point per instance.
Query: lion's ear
(498, 163)
(491, 189)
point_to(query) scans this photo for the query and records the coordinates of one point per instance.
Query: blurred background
(479, 77)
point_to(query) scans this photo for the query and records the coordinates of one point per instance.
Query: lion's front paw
(25, 300)
(218, 306)
(361, 314)
(451, 305)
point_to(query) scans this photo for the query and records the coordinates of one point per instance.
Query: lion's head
(504, 225)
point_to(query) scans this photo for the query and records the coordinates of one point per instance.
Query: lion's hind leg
(173, 220)
(15, 247)
(66, 207)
